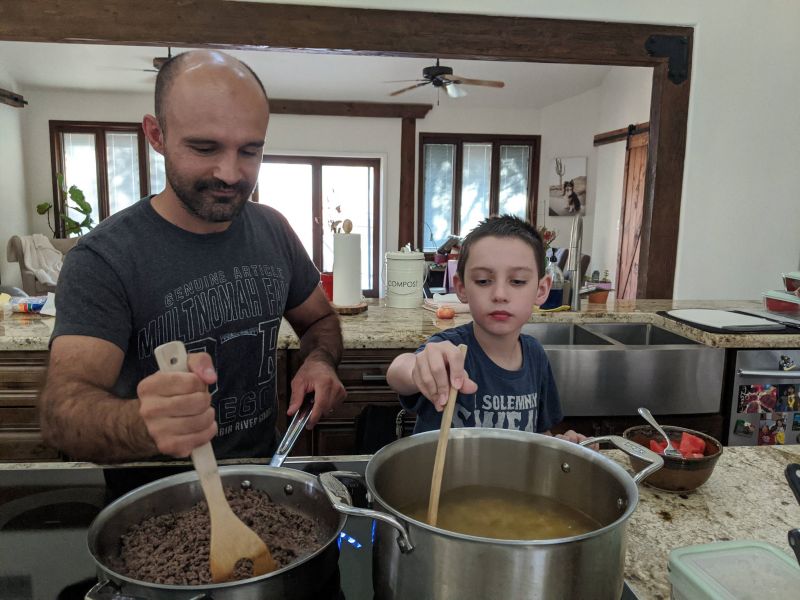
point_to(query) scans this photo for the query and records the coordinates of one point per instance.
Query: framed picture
(567, 186)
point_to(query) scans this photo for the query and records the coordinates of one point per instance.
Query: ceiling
(302, 76)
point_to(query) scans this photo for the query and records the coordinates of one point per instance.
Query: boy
(505, 380)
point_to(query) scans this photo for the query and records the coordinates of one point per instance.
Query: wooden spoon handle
(172, 357)
(441, 451)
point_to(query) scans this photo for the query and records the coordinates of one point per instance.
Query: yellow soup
(504, 514)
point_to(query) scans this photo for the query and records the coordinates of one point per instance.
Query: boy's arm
(399, 374)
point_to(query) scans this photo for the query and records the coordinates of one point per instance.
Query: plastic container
(791, 281)
(735, 570)
(556, 296)
(782, 302)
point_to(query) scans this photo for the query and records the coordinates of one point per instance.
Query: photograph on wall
(567, 181)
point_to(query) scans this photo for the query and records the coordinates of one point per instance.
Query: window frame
(496, 140)
(99, 129)
(317, 162)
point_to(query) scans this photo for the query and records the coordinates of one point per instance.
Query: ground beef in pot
(173, 548)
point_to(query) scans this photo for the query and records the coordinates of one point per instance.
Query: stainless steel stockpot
(299, 580)
(411, 559)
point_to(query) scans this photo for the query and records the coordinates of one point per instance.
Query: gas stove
(45, 515)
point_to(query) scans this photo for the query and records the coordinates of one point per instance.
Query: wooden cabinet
(363, 374)
(21, 378)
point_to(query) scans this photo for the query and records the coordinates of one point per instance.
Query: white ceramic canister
(405, 276)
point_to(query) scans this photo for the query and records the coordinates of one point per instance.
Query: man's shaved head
(180, 63)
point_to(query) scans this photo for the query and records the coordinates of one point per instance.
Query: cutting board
(724, 320)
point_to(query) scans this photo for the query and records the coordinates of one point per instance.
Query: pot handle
(340, 498)
(633, 449)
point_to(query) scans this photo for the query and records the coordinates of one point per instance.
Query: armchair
(15, 253)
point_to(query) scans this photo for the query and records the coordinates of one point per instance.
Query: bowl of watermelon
(700, 454)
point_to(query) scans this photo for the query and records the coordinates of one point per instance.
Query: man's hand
(176, 407)
(576, 438)
(439, 366)
(318, 376)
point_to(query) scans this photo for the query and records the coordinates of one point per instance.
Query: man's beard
(196, 198)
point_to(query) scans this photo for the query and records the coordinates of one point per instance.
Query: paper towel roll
(346, 269)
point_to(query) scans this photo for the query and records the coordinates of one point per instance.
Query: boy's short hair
(503, 226)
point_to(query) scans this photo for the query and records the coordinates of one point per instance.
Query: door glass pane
(287, 188)
(475, 185)
(350, 189)
(122, 158)
(514, 169)
(158, 178)
(439, 170)
(80, 169)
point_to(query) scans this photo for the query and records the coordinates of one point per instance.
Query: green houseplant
(79, 203)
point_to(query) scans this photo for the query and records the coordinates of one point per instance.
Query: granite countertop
(746, 498)
(383, 327)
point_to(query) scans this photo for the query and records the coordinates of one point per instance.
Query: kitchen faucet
(574, 261)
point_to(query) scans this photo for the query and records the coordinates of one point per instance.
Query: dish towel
(42, 258)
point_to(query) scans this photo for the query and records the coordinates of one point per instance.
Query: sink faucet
(574, 261)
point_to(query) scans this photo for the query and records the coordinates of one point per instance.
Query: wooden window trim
(457, 139)
(99, 130)
(317, 162)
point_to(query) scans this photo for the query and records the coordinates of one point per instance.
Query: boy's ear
(461, 291)
(543, 290)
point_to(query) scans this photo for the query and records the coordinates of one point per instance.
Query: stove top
(45, 516)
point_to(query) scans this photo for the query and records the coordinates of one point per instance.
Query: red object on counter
(326, 281)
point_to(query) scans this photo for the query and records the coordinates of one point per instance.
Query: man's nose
(228, 169)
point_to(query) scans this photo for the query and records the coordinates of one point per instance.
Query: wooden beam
(348, 109)
(619, 135)
(261, 26)
(408, 148)
(12, 99)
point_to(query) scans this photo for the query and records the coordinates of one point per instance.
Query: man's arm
(317, 326)
(81, 417)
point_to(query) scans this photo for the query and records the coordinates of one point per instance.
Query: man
(200, 263)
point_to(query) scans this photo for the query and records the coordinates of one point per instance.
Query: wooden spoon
(231, 539)
(441, 451)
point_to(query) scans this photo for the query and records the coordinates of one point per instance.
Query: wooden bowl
(677, 474)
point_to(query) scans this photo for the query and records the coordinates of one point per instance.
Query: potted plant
(79, 204)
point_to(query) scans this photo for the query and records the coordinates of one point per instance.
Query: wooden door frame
(259, 26)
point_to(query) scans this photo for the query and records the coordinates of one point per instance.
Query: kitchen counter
(383, 327)
(746, 498)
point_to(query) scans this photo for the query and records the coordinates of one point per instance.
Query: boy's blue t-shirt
(523, 400)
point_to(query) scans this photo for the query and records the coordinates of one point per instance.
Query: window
(307, 191)
(465, 178)
(111, 163)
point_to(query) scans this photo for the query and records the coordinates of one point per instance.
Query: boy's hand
(436, 368)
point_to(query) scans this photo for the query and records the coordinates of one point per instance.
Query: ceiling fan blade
(404, 80)
(411, 87)
(454, 90)
(467, 81)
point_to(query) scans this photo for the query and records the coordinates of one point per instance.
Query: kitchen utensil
(723, 319)
(293, 432)
(678, 474)
(669, 450)
(441, 450)
(231, 539)
(304, 578)
(412, 559)
(792, 473)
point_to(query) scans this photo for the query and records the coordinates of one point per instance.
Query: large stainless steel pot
(301, 579)
(414, 560)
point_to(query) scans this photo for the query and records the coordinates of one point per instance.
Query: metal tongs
(294, 430)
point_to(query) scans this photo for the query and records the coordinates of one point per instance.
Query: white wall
(740, 208)
(14, 219)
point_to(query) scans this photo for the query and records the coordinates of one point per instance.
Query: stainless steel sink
(611, 369)
(638, 334)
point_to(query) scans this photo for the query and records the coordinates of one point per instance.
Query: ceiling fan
(443, 77)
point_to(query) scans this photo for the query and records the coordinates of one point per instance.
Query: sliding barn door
(631, 218)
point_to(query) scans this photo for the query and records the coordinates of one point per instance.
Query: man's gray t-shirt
(138, 281)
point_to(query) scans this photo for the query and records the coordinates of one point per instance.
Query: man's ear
(461, 291)
(153, 133)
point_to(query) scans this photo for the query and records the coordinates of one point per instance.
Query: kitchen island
(746, 498)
